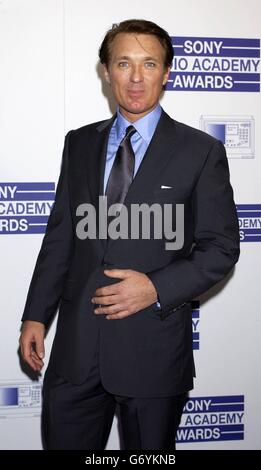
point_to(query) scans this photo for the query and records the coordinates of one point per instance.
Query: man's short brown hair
(138, 27)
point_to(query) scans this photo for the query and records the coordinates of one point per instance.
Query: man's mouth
(135, 92)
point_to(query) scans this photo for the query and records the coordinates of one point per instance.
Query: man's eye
(150, 65)
(123, 64)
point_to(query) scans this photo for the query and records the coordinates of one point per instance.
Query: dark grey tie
(122, 171)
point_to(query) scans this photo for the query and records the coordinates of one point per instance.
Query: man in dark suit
(124, 333)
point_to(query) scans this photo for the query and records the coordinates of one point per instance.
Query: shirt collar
(145, 126)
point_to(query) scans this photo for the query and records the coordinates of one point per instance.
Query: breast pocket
(168, 196)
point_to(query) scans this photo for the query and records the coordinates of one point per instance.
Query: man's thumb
(40, 349)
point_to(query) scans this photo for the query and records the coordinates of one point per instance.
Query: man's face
(136, 73)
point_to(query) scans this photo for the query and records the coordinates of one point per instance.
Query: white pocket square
(165, 187)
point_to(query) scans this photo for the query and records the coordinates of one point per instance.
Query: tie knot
(130, 130)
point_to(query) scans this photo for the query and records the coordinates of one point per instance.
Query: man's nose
(136, 74)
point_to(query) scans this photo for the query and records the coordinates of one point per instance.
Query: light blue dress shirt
(140, 141)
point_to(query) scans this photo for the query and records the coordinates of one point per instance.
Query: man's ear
(166, 76)
(106, 74)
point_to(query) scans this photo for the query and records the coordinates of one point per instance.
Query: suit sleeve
(216, 238)
(55, 254)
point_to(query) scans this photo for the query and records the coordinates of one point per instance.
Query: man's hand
(32, 344)
(134, 292)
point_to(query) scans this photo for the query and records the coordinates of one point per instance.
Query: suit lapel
(96, 165)
(159, 152)
(97, 159)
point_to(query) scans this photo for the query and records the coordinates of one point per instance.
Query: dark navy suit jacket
(150, 352)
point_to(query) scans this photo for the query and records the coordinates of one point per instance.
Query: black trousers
(79, 417)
